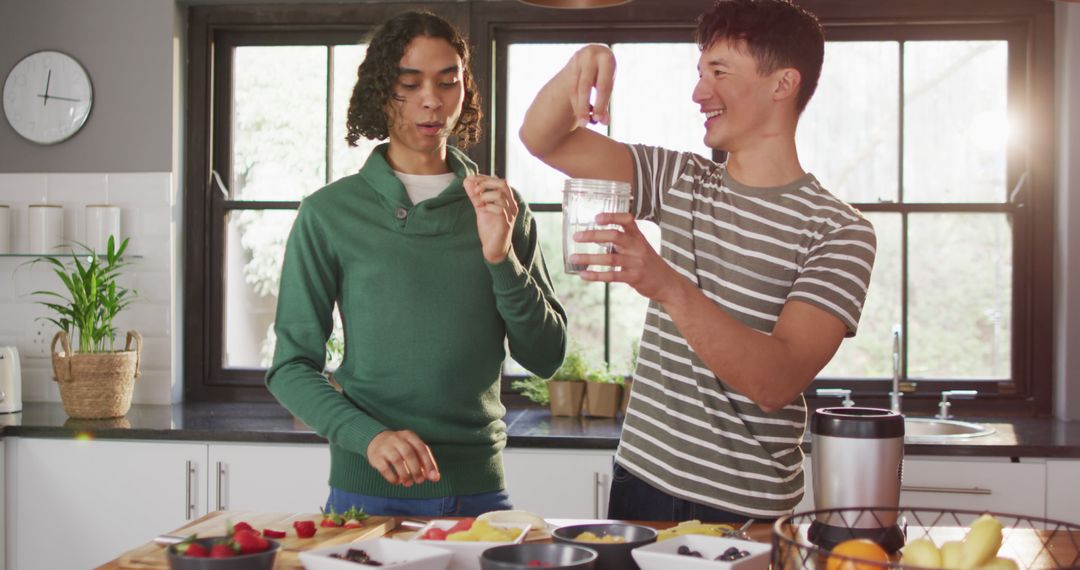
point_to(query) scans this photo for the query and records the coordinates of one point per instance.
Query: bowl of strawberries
(242, 548)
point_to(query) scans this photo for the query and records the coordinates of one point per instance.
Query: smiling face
(738, 103)
(427, 99)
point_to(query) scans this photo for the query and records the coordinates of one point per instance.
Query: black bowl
(518, 556)
(611, 555)
(257, 561)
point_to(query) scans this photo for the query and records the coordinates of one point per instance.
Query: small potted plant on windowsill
(603, 394)
(564, 391)
(96, 380)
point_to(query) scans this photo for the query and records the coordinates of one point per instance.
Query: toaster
(10, 380)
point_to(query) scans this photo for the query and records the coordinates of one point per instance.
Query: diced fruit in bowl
(224, 553)
(605, 538)
(468, 538)
(693, 551)
(396, 554)
(525, 556)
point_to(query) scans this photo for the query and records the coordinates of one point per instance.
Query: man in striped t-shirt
(761, 272)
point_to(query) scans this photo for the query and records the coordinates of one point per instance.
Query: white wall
(1067, 259)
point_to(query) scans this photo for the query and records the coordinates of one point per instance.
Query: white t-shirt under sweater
(751, 251)
(420, 187)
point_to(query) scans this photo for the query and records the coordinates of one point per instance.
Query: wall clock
(47, 97)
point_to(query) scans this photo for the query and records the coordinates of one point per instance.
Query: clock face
(47, 97)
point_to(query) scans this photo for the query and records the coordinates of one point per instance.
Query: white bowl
(403, 555)
(466, 553)
(664, 555)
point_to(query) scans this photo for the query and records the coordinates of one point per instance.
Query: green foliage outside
(93, 296)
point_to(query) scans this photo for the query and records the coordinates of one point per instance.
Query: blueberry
(684, 549)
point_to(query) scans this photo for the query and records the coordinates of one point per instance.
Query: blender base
(827, 536)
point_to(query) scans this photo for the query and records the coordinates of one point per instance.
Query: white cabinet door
(559, 483)
(269, 477)
(984, 483)
(101, 497)
(1062, 499)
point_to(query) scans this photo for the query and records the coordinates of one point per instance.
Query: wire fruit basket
(1031, 542)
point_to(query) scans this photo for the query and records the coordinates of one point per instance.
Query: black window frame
(1028, 26)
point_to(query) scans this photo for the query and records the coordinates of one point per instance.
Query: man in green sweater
(434, 270)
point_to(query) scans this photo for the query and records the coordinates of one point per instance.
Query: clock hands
(46, 96)
(60, 98)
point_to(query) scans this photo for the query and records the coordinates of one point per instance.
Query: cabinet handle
(220, 476)
(598, 487)
(189, 506)
(950, 490)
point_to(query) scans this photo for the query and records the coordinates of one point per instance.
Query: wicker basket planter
(96, 385)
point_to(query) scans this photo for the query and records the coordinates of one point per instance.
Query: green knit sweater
(426, 320)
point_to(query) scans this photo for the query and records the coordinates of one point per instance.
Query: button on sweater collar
(432, 216)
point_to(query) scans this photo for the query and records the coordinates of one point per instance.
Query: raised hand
(402, 458)
(496, 211)
(592, 67)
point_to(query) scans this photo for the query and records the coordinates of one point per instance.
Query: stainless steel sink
(931, 430)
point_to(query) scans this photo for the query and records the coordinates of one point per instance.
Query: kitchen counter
(527, 428)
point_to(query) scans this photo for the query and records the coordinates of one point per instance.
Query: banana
(922, 553)
(1000, 563)
(981, 544)
(950, 554)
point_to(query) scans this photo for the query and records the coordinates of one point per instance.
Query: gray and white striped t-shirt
(750, 250)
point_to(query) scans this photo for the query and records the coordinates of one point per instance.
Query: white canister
(5, 229)
(101, 222)
(46, 225)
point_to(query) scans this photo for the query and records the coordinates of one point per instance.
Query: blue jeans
(462, 506)
(634, 499)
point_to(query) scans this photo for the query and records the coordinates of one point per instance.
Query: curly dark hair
(778, 33)
(378, 73)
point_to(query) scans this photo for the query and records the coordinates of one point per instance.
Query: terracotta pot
(626, 394)
(566, 397)
(602, 399)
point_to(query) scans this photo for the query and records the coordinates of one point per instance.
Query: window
(932, 121)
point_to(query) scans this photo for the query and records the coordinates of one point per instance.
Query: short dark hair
(778, 33)
(378, 73)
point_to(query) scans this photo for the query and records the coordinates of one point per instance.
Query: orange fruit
(857, 554)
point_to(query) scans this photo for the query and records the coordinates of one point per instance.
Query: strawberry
(196, 550)
(463, 524)
(353, 523)
(354, 514)
(242, 526)
(249, 542)
(304, 529)
(273, 533)
(331, 519)
(434, 533)
(222, 550)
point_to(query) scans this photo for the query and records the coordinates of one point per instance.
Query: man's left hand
(633, 260)
(496, 211)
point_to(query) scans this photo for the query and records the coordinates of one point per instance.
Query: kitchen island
(161, 467)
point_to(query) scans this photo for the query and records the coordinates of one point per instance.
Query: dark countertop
(527, 428)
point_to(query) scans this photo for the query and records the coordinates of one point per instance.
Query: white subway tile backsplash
(153, 387)
(150, 217)
(22, 188)
(152, 286)
(75, 189)
(141, 189)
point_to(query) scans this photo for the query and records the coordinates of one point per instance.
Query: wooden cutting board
(152, 556)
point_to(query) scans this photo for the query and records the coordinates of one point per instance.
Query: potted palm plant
(96, 379)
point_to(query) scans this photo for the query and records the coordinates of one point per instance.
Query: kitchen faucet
(894, 395)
